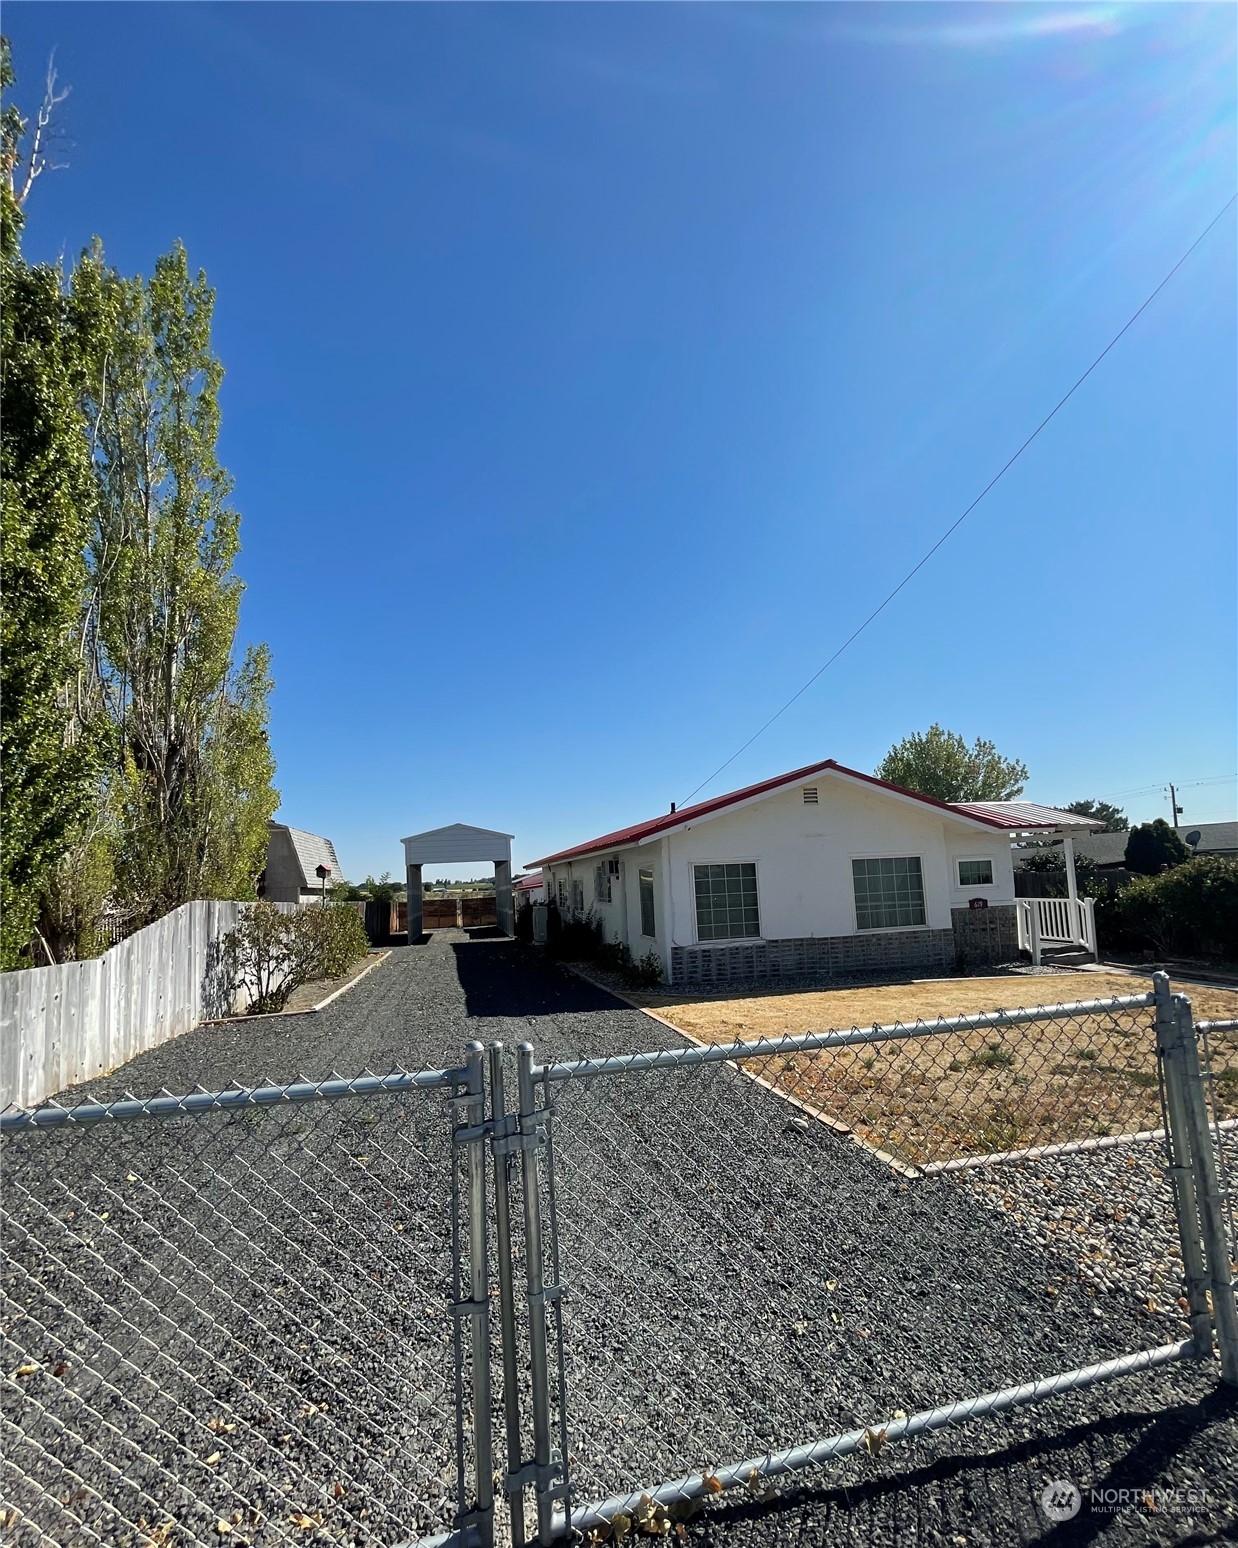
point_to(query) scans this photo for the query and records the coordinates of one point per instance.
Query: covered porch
(1050, 929)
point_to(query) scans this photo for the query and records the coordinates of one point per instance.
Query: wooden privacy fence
(439, 914)
(478, 911)
(60, 1025)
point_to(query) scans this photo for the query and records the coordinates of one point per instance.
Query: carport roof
(1007, 816)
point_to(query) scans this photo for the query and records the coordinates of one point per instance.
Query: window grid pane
(889, 893)
(726, 901)
(975, 873)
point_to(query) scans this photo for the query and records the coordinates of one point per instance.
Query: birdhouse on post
(322, 872)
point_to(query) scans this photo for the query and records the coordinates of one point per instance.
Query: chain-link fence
(782, 1252)
(228, 1317)
(360, 1311)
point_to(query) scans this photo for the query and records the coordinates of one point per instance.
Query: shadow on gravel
(501, 978)
(998, 1492)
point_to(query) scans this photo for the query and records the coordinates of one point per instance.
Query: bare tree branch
(37, 161)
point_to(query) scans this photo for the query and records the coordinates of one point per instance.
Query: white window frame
(857, 928)
(641, 872)
(961, 860)
(728, 940)
(601, 882)
(562, 892)
(578, 898)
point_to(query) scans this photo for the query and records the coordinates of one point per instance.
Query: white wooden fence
(61, 1025)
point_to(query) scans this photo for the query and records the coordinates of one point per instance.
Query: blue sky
(593, 371)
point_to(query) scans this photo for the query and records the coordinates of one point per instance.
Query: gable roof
(457, 830)
(669, 821)
(311, 851)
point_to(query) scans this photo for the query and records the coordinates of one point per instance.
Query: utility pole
(1174, 807)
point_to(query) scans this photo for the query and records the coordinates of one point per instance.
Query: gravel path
(736, 1281)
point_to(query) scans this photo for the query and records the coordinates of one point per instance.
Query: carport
(455, 845)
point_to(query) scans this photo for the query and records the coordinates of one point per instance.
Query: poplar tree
(48, 762)
(192, 768)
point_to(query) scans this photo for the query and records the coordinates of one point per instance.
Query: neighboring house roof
(527, 884)
(1110, 848)
(312, 850)
(987, 815)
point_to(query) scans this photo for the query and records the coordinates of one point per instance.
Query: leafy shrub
(271, 953)
(1192, 909)
(646, 973)
(1154, 845)
(578, 938)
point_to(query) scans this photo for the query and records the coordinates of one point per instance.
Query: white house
(529, 889)
(822, 870)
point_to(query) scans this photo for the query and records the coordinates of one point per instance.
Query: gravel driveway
(737, 1281)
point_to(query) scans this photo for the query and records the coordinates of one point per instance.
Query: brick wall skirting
(813, 956)
(983, 936)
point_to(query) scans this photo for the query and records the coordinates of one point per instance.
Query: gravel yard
(739, 1277)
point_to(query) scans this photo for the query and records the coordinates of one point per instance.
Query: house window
(975, 873)
(648, 921)
(601, 884)
(578, 897)
(562, 894)
(726, 901)
(889, 893)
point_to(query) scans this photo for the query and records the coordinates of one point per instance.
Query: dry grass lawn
(935, 1098)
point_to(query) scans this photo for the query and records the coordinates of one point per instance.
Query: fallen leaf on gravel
(220, 1426)
(62, 1368)
(831, 1284)
(212, 1459)
(900, 1413)
(338, 1491)
(873, 1441)
(712, 1483)
(131, 1177)
(26, 1370)
(222, 1528)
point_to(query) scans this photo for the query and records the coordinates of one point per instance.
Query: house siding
(803, 854)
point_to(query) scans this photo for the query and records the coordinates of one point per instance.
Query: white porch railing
(1055, 922)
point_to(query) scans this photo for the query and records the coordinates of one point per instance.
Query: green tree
(48, 761)
(939, 763)
(1152, 846)
(1113, 817)
(193, 766)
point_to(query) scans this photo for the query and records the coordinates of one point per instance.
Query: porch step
(1065, 955)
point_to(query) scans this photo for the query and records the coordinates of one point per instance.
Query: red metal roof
(622, 837)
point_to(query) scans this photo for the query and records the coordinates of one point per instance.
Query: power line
(1163, 784)
(958, 522)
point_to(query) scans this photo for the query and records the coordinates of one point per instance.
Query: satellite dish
(1193, 837)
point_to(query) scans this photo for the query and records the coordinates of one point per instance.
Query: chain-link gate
(598, 1290)
(242, 1317)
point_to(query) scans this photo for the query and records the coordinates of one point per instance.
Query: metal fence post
(1178, 1142)
(477, 1308)
(1209, 1198)
(549, 1477)
(504, 1159)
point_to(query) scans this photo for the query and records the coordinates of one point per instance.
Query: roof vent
(810, 795)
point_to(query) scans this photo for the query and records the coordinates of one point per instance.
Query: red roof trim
(623, 837)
